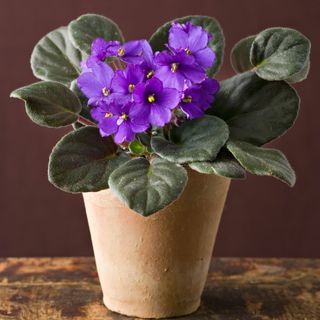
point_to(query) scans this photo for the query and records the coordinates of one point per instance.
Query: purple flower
(103, 49)
(193, 40)
(178, 70)
(118, 119)
(154, 102)
(124, 82)
(198, 98)
(100, 50)
(96, 84)
(130, 52)
(148, 65)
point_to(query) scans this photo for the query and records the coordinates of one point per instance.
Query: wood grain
(244, 289)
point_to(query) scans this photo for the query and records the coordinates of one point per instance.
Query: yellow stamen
(105, 91)
(108, 114)
(131, 87)
(174, 67)
(124, 116)
(151, 98)
(120, 52)
(187, 99)
(187, 51)
(150, 74)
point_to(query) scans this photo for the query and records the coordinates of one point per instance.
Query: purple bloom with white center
(194, 41)
(124, 82)
(178, 70)
(96, 84)
(118, 119)
(155, 102)
(197, 98)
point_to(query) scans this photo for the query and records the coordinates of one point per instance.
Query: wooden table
(68, 288)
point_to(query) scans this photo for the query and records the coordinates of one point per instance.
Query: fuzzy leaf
(262, 161)
(88, 27)
(256, 110)
(240, 55)
(225, 166)
(160, 37)
(195, 140)
(279, 53)
(147, 187)
(301, 75)
(49, 104)
(55, 58)
(77, 125)
(82, 161)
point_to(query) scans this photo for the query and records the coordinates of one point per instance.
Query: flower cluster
(144, 88)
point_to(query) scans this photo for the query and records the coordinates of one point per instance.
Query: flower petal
(198, 38)
(103, 73)
(132, 52)
(154, 85)
(159, 116)
(163, 58)
(119, 82)
(170, 79)
(124, 133)
(169, 98)
(139, 127)
(147, 52)
(193, 72)
(88, 84)
(178, 38)
(205, 57)
(192, 110)
(98, 48)
(140, 112)
(108, 126)
(138, 93)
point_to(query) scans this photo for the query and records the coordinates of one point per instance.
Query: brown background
(263, 217)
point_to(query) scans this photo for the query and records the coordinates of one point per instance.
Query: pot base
(151, 311)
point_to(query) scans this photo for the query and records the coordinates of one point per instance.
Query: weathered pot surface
(156, 267)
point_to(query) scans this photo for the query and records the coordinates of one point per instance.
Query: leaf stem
(85, 121)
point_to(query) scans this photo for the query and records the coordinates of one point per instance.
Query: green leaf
(77, 125)
(225, 166)
(262, 161)
(160, 37)
(49, 104)
(55, 58)
(240, 55)
(144, 138)
(88, 27)
(195, 140)
(256, 110)
(82, 161)
(147, 187)
(279, 53)
(301, 75)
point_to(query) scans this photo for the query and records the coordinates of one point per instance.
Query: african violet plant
(143, 111)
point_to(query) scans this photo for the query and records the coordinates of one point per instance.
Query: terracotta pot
(156, 267)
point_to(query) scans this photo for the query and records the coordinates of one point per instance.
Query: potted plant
(156, 140)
